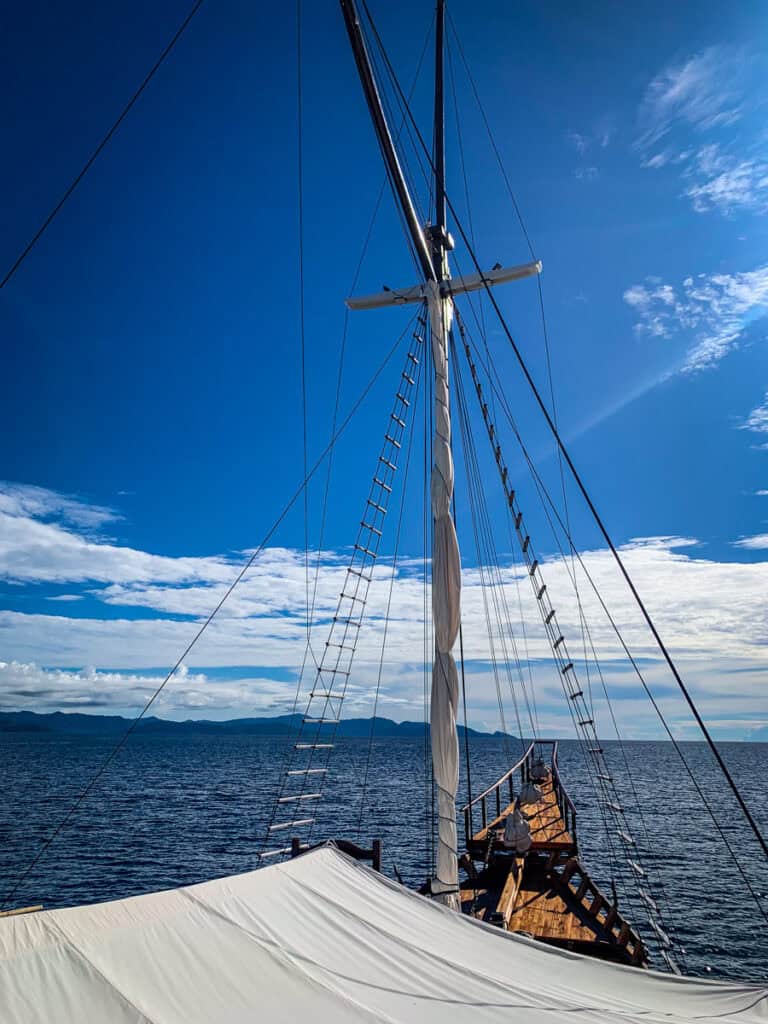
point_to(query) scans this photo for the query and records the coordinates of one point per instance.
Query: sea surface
(172, 811)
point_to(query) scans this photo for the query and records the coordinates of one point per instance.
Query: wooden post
(21, 910)
(376, 859)
(484, 813)
(569, 869)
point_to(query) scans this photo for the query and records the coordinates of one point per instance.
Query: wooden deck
(548, 830)
(547, 892)
(542, 911)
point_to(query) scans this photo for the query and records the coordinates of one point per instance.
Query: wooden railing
(577, 881)
(493, 793)
(502, 792)
(564, 802)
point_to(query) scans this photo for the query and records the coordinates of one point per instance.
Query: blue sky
(151, 403)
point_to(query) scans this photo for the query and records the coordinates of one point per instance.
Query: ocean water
(172, 811)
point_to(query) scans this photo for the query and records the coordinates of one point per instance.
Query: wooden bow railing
(502, 793)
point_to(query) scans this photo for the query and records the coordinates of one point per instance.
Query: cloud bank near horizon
(143, 608)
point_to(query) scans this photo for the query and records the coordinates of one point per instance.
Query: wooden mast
(431, 247)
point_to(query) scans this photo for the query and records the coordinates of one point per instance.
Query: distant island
(73, 723)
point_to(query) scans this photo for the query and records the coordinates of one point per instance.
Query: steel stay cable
(531, 704)
(596, 780)
(572, 573)
(490, 133)
(411, 435)
(638, 805)
(418, 336)
(523, 366)
(480, 537)
(237, 579)
(341, 623)
(345, 331)
(630, 657)
(613, 860)
(622, 567)
(545, 331)
(546, 499)
(537, 395)
(492, 560)
(308, 651)
(89, 163)
(302, 331)
(480, 322)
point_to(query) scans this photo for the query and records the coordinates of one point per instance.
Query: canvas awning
(320, 938)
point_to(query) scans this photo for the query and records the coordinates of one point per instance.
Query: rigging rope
(499, 586)
(489, 559)
(336, 663)
(523, 366)
(206, 623)
(411, 435)
(92, 158)
(490, 134)
(522, 618)
(302, 331)
(545, 332)
(343, 347)
(600, 779)
(483, 545)
(544, 494)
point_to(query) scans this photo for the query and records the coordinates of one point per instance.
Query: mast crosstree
(431, 244)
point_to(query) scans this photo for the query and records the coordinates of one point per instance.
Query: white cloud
(756, 543)
(188, 693)
(757, 421)
(707, 91)
(26, 500)
(710, 613)
(586, 173)
(31, 548)
(597, 138)
(701, 92)
(761, 494)
(657, 160)
(724, 182)
(714, 308)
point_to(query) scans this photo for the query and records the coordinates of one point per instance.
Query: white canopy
(320, 938)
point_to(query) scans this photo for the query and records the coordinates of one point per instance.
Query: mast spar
(431, 245)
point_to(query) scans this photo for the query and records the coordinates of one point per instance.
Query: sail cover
(320, 938)
(446, 610)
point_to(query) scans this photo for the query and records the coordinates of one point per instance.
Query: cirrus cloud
(715, 309)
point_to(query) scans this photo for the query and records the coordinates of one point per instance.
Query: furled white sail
(322, 938)
(446, 609)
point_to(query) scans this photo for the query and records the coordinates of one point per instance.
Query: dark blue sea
(172, 811)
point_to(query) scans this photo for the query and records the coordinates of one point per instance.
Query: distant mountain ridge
(74, 723)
